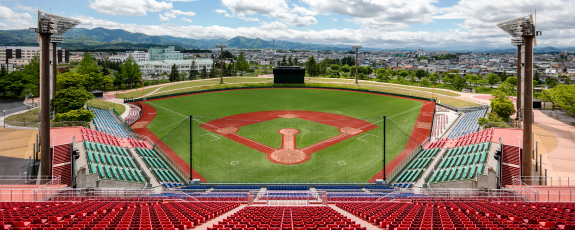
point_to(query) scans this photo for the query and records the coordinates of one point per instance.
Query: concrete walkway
(211, 222)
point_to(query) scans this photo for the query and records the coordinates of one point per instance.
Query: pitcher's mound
(289, 156)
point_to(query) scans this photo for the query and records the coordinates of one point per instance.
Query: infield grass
(219, 159)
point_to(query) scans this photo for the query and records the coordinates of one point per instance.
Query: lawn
(219, 159)
(101, 104)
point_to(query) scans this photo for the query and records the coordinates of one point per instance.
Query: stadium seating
(109, 215)
(461, 163)
(337, 187)
(238, 187)
(467, 124)
(463, 215)
(378, 187)
(159, 168)
(287, 196)
(195, 187)
(228, 197)
(297, 218)
(474, 138)
(112, 163)
(106, 122)
(133, 114)
(418, 165)
(356, 196)
(288, 187)
(439, 124)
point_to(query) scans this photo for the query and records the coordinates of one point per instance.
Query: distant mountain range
(106, 39)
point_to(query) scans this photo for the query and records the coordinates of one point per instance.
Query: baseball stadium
(280, 151)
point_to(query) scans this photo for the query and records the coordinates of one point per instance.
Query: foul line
(359, 138)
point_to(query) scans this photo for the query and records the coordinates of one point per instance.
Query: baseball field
(285, 135)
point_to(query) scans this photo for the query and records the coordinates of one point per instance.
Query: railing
(549, 180)
(524, 189)
(181, 172)
(8, 112)
(391, 175)
(18, 188)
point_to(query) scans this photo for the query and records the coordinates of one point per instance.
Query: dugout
(289, 75)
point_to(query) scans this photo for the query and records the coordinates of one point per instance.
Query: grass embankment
(107, 105)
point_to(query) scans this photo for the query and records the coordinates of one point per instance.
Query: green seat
(443, 162)
(472, 171)
(470, 159)
(486, 146)
(131, 162)
(458, 161)
(134, 175)
(127, 173)
(474, 149)
(440, 175)
(464, 160)
(401, 176)
(109, 159)
(103, 158)
(476, 158)
(480, 147)
(99, 147)
(87, 145)
(165, 175)
(480, 169)
(121, 161)
(465, 172)
(115, 159)
(122, 174)
(93, 168)
(93, 146)
(108, 172)
(90, 156)
(483, 156)
(140, 175)
(115, 172)
(446, 174)
(457, 175)
(101, 171)
(433, 176)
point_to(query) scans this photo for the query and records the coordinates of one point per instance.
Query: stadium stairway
(211, 222)
(354, 218)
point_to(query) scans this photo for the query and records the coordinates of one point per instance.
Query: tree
(492, 79)
(14, 82)
(173, 76)
(503, 76)
(72, 79)
(335, 67)
(434, 77)
(459, 82)
(425, 82)
(348, 60)
(346, 69)
(310, 67)
(130, 71)
(492, 120)
(420, 74)
(70, 99)
(74, 115)
(564, 96)
(283, 61)
(290, 61)
(501, 105)
(536, 78)
(512, 80)
(551, 82)
(567, 80)
(242, 65)
(204, 72)
(193, 71)
(88, 64)
(3, 71)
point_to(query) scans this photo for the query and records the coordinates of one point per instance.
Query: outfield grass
(219, 159)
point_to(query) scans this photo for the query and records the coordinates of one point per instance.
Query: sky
(384, 24)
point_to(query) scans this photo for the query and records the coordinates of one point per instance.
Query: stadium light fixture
(222, 46)
(522, 29)
(48, 24)
(356, 47)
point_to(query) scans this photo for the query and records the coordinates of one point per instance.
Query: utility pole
(222, 46)
(356, 47)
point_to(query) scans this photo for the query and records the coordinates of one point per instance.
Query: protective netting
(288, 147)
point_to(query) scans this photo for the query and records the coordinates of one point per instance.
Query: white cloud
(171, 14)
(186, 20)
(129, 7)
(220, 11)
(10, 20)
(26, 8)
(278, 9)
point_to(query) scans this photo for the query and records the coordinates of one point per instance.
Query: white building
(139, 56)
(160, 67)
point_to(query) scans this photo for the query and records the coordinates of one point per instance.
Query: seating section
(109, 215)
(106, 122)
(133, 114)
(196, 187)
(287, 196)
(337, 187)
(418, 166)
(436, 144)
(99, 137)
(461, 163)
(378, 187)
(112, 163)
(288, 187)
(474, 138)
(464, 215)
(467, 124)
(238, 187)
(439, 124)
(139, 143)
(228, 197)
(159, 168)
(277, 218)
(343, 196)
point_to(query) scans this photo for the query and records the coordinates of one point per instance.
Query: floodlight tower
(356, 47)
(222, 46)
(48, 24)
(524, 28)
(519, 43)
(54, 40)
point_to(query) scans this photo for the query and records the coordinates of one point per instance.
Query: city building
(161, 54)
(139, 56)
(165, 66)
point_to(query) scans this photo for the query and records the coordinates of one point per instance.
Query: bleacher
(439, 124)
(288, 187)
(107, 123)
(461, 163)
(378, 187)
(159, 168)
(228, 197)
(238, 187)
(112, 163)
(464, 215)
(287, 196)
(467, 124)
(195, 187)
(296, 218)
(337, 187)
(414, 170)
(109, 215)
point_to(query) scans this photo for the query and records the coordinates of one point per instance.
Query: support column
(519, 87)
(356, 50)
(526, 165)
(46, 159)
(54, 69)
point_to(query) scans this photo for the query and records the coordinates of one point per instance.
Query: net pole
(191, 151)
(384, 118)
